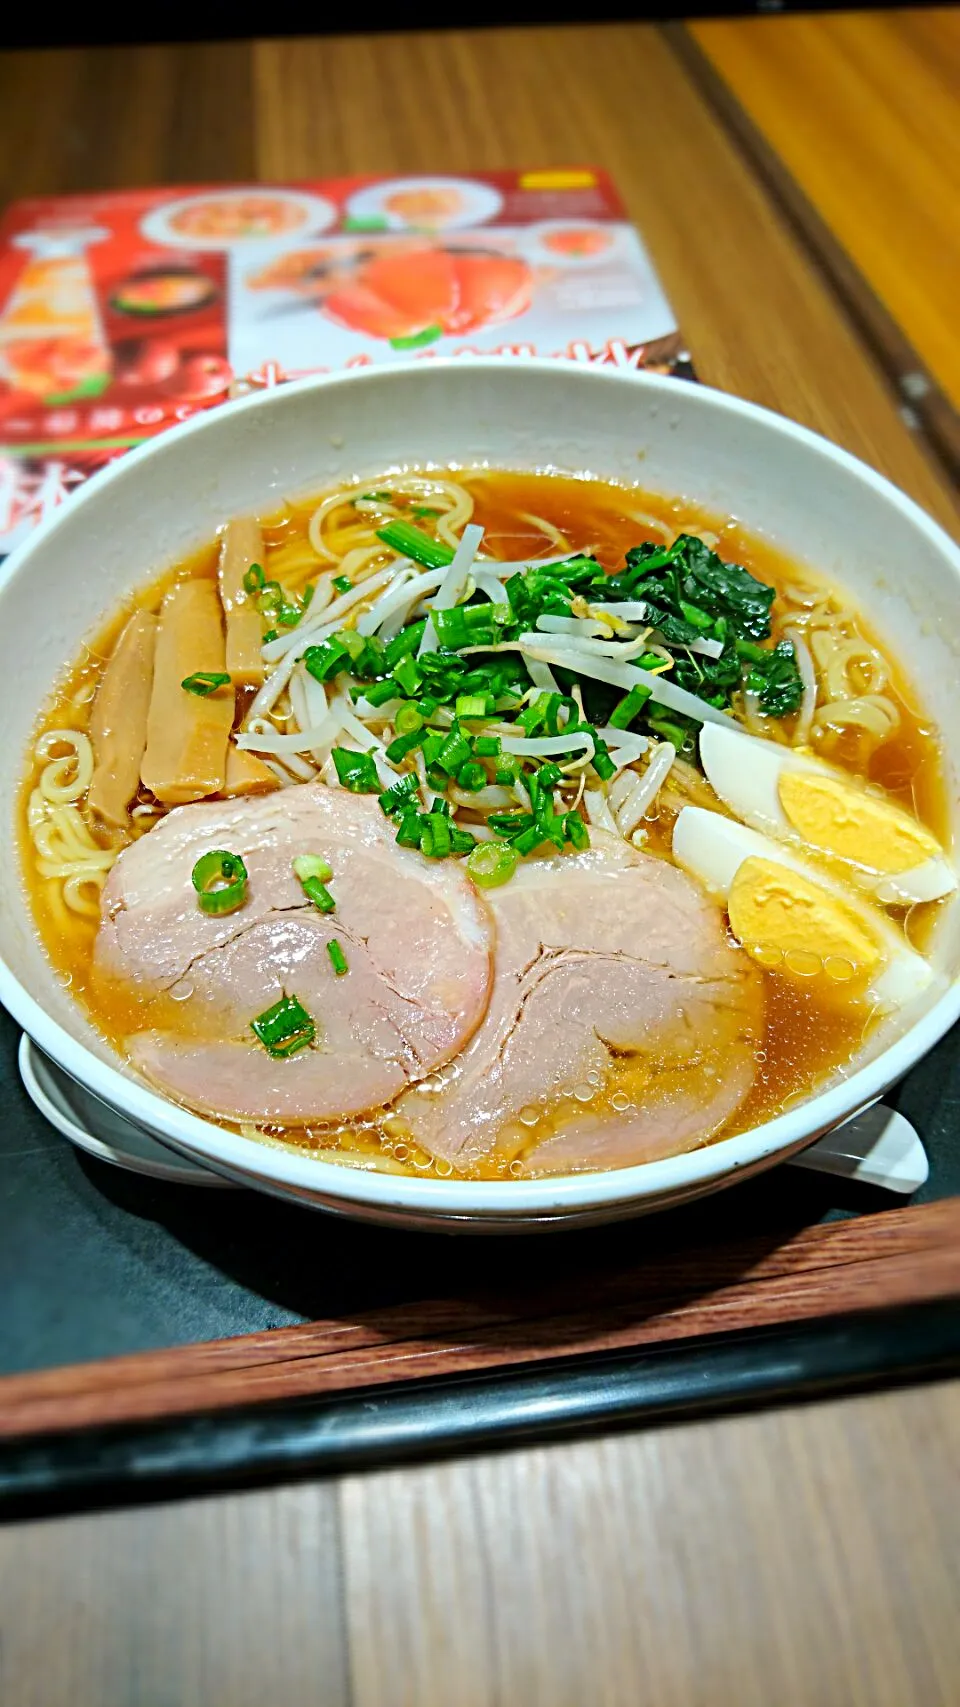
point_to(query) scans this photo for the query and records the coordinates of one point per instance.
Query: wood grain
(895, 1258)
(924, 401)
(758, 316)
(802, 1558)
(233, 1602)
(864, 110)
(118, 117)
(784, 1558)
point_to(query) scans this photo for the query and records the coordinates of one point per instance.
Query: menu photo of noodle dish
(122, 314)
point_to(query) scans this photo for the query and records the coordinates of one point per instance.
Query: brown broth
(806, 1038)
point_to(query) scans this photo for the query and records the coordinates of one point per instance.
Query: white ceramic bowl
(158, 503)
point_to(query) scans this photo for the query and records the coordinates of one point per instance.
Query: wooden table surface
(864, 110)
(808, 1556)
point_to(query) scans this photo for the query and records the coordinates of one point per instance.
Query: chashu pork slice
(622, 1025)
(417, 940)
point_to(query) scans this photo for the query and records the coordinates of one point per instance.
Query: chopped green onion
(471, 705)
(308, 593)
(509, 823)
(271, 634)
(602, 762)
(204, 682)
(507, 771)
(342, 584)
(372, 661)
(468, 625)
(435, 836)
(424, 510)
(547, 820)
(461, 842)
(404, 643)
(453, 752)
(667, 731)
(471, 776)
(284, 1028)
(254, 579)
(432, 747)
(220, 880)
(269, 595)
(529, 840)
(326, 660)
(407, 720)
(319, 894)
(376, 497)
(356, 771)
(630, 707)
(412, 542)
(541, 714)
(353, 643)
(492, 863)
(451, 629)
(427, 705)
(397, 798)
(575, 831)
(411, 830)
(487, 746)
(408, 676)
(338, 959)
(378, 693)
(403, 744)
(311, 865)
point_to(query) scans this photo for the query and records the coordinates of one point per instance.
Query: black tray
(95, 1262)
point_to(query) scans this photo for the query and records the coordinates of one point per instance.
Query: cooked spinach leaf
(777, 680)
(693, 586)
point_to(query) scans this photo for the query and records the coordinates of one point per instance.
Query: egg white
(713, 848)
(745, 772)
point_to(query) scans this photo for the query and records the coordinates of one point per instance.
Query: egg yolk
(787, 922)
(857, 826)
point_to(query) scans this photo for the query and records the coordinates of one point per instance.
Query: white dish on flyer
(600, 241)
(426, 204)
(175, 223)
(94, 1126)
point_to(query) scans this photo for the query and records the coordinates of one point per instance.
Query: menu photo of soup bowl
(379, 298)
(125, 313)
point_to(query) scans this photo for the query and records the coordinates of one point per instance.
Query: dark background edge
(178, 22)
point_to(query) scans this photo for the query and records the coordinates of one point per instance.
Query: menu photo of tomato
(122, 314)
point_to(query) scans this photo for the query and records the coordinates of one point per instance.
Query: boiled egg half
(791, 918)
(797, 798)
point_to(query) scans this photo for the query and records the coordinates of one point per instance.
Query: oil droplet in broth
(802, 963)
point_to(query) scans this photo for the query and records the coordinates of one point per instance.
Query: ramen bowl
(164, 500)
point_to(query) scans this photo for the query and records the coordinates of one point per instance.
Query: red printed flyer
(122, 314)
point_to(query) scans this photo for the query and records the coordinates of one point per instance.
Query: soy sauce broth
(803, 1041)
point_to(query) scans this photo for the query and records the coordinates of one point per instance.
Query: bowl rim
(307, 1176)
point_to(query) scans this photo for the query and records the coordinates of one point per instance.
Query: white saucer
(99, 1129)
(878, 1147)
